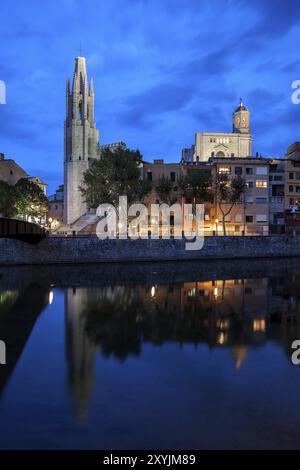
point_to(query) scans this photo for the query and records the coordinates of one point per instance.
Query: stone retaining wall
(69, 250)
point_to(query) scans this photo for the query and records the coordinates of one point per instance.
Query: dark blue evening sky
(162, 69)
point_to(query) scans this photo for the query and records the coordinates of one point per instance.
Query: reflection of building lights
(120, 225)
(221, 338)
(259, 324)
(223, 324)
(152, 291)
(216, 292)
(192, 292)
(51, 297)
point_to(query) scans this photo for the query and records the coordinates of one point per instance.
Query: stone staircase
(86, 224)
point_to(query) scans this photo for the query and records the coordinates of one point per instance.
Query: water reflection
(233, 313)
(115, 323)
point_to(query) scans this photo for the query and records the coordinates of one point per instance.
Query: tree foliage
(196, 187)
(25, 199)
(164, 189)
(116, 173)
(228, 192)
(7, 200)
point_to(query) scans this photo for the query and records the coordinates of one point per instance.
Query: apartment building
(249, 217)
(276, 195)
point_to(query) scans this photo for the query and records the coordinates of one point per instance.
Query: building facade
(81, 140)
(236, 144)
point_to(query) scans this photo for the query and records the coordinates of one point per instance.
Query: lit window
(224, 170)
(259, 324)
(261, 184)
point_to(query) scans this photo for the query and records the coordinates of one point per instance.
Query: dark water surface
(151, 356)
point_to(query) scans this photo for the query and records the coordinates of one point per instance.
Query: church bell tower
(81, 140)
(241, 119)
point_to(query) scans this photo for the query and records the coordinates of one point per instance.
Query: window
(207, 214)
(262, 170)
(261, 184)
(249, 184)
(238, 218)
(238, 170)
(297, 188)
(172, 175)
(249, 200)
(291, 201)
(149, 175)
(249, 171)
(224, 170)
(298, 176)
(261, 218)
(261, 200)
(232, 155)
(249, 219)
(277, 178)
(291, 189)
(291, 176)
(212, 154)
(270, 178)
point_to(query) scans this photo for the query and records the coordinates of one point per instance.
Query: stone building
(10, 171)
(56, 208)
(81, 140)
(237, 144)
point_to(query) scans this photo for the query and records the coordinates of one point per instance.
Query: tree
(228, 191)
(7, 199)
(164, 190)
(30, 200)
(116, 173)
(196, 186)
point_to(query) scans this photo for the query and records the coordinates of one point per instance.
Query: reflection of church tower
(241, 119)
(239, 353)
(81, 139)
(79, 349)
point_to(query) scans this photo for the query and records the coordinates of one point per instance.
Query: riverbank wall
(78, 249)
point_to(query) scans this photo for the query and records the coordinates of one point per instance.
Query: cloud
(141, 109)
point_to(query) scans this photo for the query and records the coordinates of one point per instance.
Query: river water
(170, 356)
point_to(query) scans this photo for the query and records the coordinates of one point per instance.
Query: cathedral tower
(241, 119)
(81, 140)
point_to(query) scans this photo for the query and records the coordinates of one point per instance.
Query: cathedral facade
(237, 144)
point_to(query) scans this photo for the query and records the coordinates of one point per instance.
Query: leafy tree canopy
(116, 173)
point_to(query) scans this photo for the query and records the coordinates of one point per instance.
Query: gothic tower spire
(81, 140)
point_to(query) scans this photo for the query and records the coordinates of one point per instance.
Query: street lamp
(50, 220)
(217, 221)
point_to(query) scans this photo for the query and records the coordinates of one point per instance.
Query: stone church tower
(241, 119)
(81, 140)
